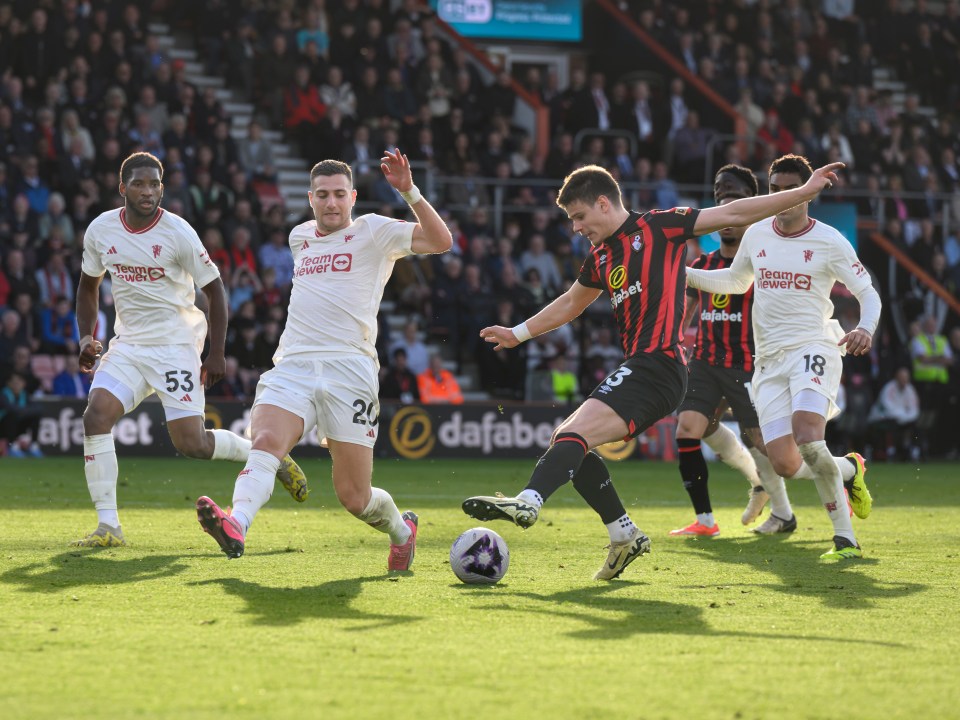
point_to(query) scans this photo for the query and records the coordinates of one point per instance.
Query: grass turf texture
(308, 624)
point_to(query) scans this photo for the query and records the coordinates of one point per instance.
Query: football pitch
(308, 623)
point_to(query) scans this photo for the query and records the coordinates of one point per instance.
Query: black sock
(693, 470)
(558, 465)
(593, 483)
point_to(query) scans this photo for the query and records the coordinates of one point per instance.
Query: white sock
(773, 485)
(829, 486)
(803, 472)
(728, 448)
(847, 468)
(531, 497)
(230, 446)
(254, 486)
(621, 529)
(100, 467)
(381, 513)
(706, 519)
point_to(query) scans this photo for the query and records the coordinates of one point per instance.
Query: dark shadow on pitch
(610, 616)
(840, 586)
(333, 600)
(88, 567)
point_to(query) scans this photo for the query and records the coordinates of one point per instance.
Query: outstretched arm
(749, 210)
(88, 304)
(734, 280)
(561, 311)
(431, 234)
(215, 365)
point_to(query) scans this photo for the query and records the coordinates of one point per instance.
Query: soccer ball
(479, 557)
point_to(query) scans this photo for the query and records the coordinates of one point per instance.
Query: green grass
(307, 624)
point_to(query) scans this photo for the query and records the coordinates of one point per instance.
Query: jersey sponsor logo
(782, 280)
(620, 295)
(112, 250)
(720, 301)
(617, 276)
(720, 316)
(762, 253)
(157, 249)
(340, 262)
(138, 273)
(807, 255)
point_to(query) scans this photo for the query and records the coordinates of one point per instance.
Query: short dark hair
(329, 168)
(751, 187)
(587, 184)
(794, 164)
(139, 160)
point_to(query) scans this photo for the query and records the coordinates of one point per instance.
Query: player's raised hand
(90, 350)
(858, 341)
(213, 369)
(396, 169)
(823, 178)
(502, 336)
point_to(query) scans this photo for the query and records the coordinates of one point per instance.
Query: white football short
(337, 395)
(132, 373)
(779, 383)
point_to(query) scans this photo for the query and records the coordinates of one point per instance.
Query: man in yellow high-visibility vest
(932, 358)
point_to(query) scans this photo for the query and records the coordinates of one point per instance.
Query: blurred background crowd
(236, 97)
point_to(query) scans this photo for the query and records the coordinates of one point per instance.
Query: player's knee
(784, 467)
(688, 430)
(353, 500)
(96, 421)
(193, 446)
(269, 440)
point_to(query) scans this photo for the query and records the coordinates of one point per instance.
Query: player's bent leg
(693, 472)
(219, 525)
(622, 554)
(290, 474)
(352, 473)
(860, 498)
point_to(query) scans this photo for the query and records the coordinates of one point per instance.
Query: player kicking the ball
(638, 260)
(325, 373)
(792, 262)
(155, 259)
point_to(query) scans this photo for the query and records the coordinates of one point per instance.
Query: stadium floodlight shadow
(609, 615)
(842, 586)
(103, 566)
(284, 606)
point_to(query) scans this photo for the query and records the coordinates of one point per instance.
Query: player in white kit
(793, 261)
(325, 373)
(155, 259)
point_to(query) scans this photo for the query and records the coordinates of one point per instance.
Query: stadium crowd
(82, 84)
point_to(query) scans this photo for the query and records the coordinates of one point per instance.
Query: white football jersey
(153, 273)
(338, 282)
(792, 277)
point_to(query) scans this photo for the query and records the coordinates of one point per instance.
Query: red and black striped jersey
(642, 268)
(725, 326)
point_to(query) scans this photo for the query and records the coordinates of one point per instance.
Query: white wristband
(412, 196)
(522, 332)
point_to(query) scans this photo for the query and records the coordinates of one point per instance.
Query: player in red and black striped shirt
(639, 261)
(720, 374)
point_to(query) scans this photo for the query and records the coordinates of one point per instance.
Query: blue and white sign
(549, 20)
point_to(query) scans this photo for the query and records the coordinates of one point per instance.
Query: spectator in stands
(29, 325)
(19, 419)
(438, 385)
(21, 362)
(690, 149)
(276, 256)
(399, 383)
(32, 186)
(604, 348)
(54, 280)
(537, 257)
(893, 418)
(418, 357)
(230, 386)
(71, 383)
(10, 335)
(256, 154)
(59, 332)
(337, 92)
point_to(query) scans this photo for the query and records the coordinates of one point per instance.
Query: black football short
(710, 384)
(644, 389)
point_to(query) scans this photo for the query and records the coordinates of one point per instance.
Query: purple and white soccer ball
(479, 557)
